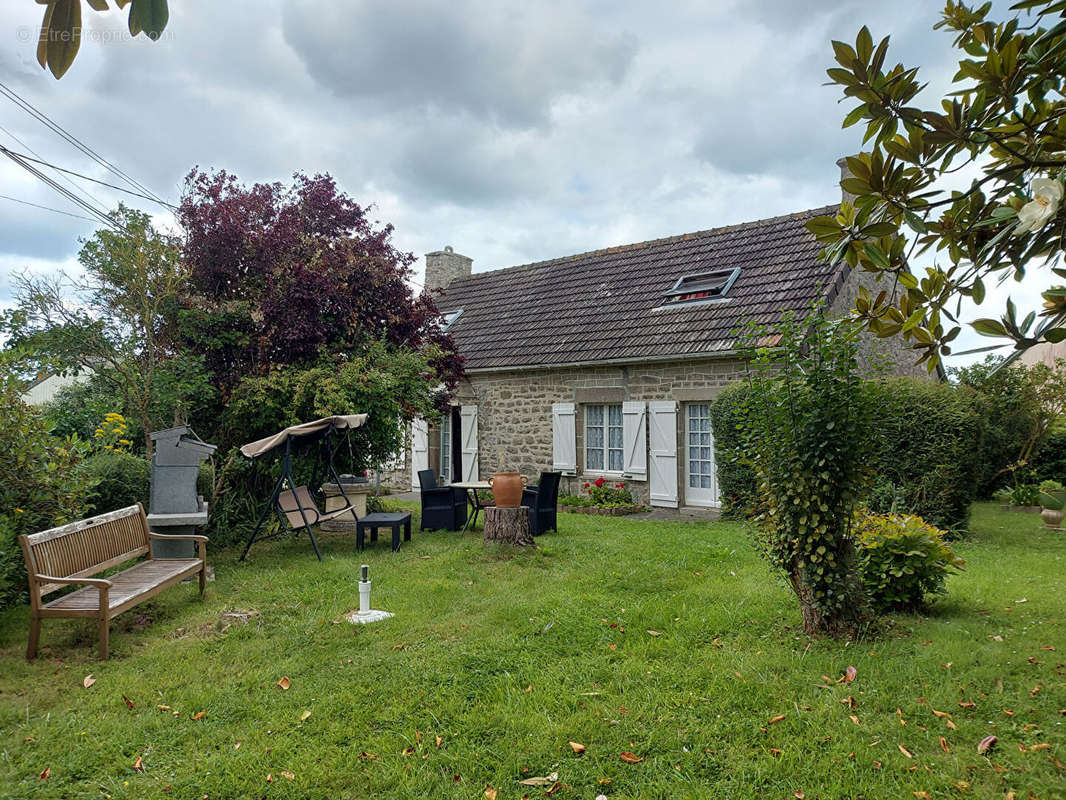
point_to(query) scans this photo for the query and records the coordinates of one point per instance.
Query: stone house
(605, 363)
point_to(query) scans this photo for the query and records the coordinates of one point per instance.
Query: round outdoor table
(471, 488)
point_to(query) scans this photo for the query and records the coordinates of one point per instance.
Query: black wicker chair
(443, 507)
(542, 501)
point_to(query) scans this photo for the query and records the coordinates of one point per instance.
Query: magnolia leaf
(88, 681)
(284, 683)
(149, 17)
(490, 793)
(64, 36)
(98, 5)
(905, 751)
(42, 41)
(577, 747)
(989, 327)
(630, 758)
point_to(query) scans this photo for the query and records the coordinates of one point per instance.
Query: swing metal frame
(308, 516)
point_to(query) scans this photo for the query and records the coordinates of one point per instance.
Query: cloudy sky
(511, 131)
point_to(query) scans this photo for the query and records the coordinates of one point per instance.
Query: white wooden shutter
(468, 426)
(634, 438)
(419, 449)
(662, 432)
(564, 438)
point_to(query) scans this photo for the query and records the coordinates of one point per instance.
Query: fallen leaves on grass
(849, 701)
(922, 795)
(854, 719)
(284, 683)
(941, 714)
(577, 747)
(440, 741)
(490, 793)
(365, 756)
(849, 675)
(951, 724)
(653, 633)
(547, 780)
(88, 681)
(270, 778)
(399, 646)
(46, 774)
(944, 744)
(287, 775)
(967, 704)
(164, 708)
(304, 716)
(775, 752)
(138, 765)
(128, 702)
(986, 744)
(199, 715)
(1038, 747)
(630, 758)
(775, 720)
(905, 751)
(408, 751)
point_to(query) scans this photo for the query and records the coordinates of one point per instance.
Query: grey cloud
(480, 57)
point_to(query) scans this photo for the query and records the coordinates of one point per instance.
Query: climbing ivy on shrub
(805, 429)
(904, 560)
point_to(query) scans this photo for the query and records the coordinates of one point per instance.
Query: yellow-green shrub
(903, 559)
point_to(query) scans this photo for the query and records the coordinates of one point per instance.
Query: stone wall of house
(514, 410)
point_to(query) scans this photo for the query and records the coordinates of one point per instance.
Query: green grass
(507, 658)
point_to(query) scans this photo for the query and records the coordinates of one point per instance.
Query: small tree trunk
(510, 525)
(850, 614)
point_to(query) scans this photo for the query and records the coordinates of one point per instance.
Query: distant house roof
(608, 305)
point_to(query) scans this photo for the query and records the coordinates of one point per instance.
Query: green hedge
(122, 480)
(928, 459)
(736, 478)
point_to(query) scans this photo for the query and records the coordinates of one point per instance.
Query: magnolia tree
(976, 180)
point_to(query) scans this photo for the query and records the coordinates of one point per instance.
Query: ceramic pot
(507, 489)
(1052, 517)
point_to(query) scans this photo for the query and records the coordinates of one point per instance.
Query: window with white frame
(445, 450)
(604, 451)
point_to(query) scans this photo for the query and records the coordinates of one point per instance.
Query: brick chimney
(445, 266)
(846, 197)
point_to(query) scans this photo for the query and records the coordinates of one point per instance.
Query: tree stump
(509, 525)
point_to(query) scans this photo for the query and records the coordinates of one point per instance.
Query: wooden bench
(70, 554)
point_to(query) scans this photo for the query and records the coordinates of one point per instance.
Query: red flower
(587, 485)
(599, 483)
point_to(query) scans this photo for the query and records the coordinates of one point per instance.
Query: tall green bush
(927, 459)
(929, 448)
(736, 477)
(43, 482)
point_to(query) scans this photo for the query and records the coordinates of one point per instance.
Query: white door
(419, 449)
(662, 452)
(701, 484)
(468, 431)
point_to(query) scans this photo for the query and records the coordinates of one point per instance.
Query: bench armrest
(195, 537)
(100, 583)
(201, 541)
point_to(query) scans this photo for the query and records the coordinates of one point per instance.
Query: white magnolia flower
(1047, 194)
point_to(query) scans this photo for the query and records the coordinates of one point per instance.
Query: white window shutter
(662, 438)
(419, 449)
(634, 438)
(564, 438)
(468, 426)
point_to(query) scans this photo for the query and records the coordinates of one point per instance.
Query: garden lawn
(670, 641)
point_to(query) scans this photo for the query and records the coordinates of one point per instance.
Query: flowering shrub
(598, 494)
(902, 558)
(111, 435)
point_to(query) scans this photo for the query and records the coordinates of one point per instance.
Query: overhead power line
(95, 211)
(46, 208)
(45, 120)
(87, 178)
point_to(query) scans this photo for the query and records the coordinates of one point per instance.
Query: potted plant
(1052, 501)
(1025, 497)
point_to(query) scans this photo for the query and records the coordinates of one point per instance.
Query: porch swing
(294, 505)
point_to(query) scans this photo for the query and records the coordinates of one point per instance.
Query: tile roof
(605, 305)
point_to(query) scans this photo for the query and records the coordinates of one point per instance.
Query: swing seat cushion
(292, 503)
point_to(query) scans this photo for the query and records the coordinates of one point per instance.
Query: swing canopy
(303, 434)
